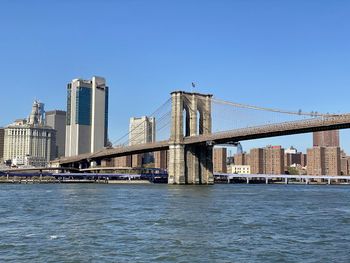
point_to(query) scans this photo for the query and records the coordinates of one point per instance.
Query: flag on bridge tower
(193, 86)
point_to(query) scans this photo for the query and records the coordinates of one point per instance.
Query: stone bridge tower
(190, 116)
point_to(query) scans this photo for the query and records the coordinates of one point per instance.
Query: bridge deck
(271, 130)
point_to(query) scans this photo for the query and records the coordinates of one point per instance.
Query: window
(83, 106)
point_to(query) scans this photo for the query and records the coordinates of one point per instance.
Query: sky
(281, 54)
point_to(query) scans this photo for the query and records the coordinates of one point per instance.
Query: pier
(282, 178)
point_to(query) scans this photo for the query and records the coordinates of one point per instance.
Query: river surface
(161, 223)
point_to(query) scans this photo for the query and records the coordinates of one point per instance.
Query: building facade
(30, 141)
(123, 161)
(87, 116)
(268, 160)
(323, 161)
(219, 160)
(239, 169)
(2, 135)
(293, 157)
(256, 161)
(326, 138)
(345, 165)
(142, 130)
(241, 159)
(274, 160)
(56, 119)
(332, 161)
(315, 161)
(161, 159)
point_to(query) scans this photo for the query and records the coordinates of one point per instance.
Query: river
(161, 223)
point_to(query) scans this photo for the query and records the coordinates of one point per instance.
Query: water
(161, 223)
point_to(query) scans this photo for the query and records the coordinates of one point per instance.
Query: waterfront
(162, 223)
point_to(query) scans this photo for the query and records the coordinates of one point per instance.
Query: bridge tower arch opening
(190, 116)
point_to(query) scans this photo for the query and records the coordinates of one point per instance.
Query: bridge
(191, 140)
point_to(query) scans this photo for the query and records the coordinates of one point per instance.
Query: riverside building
(29, 141)
(268, 160)
(323, 161)
(87, 116)
(56, 119)
(239, 169)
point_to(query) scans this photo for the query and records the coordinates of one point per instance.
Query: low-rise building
(239, 169)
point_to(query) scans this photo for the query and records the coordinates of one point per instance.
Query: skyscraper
(326, 138)
(56, 119)
(87, 116)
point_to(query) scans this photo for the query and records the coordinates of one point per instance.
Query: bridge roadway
(279, 129)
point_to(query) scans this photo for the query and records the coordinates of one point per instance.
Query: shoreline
(147, 182)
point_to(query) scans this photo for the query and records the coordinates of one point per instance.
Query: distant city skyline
(291, 55)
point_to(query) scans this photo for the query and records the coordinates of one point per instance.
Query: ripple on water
(158, 223)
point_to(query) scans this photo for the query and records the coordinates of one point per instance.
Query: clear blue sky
(283, 54)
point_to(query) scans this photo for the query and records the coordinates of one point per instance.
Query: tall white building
(30, 139)
(87, 116)
(142, 130)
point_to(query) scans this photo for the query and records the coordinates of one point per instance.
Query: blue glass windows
(83, 106)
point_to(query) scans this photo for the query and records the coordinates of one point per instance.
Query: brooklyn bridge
(190, 124)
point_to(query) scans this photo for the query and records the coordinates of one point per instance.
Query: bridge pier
(190, 164)
(176, 164)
